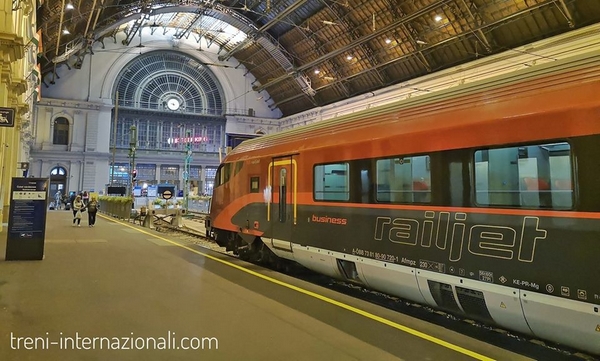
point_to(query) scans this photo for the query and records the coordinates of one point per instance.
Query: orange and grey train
(483, 200)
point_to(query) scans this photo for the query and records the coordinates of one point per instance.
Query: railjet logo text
(439, 229)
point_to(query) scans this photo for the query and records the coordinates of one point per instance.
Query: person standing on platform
(78, 208)
(92, 208)
(57, 200)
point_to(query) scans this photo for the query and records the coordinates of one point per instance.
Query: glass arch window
(58, 171)
(61, 131)
(170, 81)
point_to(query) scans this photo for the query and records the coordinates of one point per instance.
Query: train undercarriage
(254, 252)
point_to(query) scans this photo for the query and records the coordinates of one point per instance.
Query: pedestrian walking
(78, 208)
(92, 209)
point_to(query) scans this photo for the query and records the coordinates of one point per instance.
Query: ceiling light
(437, 18)
(317, 71)
(66, 31)
(421, 42)
(349, 57)
(69, 6)
(387, 41)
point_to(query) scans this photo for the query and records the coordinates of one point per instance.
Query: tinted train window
(404, 180)
(530, 176)
(226, 172)
(223, 174)
(238, 167)
(331, 182)
(218, 176)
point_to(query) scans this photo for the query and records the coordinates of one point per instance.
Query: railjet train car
(483, 200)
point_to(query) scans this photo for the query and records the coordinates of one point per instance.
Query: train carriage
(483, 200)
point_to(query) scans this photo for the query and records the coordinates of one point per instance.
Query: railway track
(522, 344)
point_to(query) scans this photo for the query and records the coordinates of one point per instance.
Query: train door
(283, 177)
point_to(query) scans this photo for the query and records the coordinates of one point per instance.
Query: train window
(218, 176)
(238, 167)
(331, 182)
(254, 185)
(530, 176)
(404, 180)
(282, 195)
(223, 174)
(226, 172)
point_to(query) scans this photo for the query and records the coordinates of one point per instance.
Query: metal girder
(137, 24)
(319, 48)
(364, 39)
(412, 34)
(489, 25)
(417, 47)
(562, 7)
(478, 22)
(337, 8)
(264, 28)
(62, 16)
(181, 32)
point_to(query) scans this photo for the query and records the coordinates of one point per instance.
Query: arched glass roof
(169, 81)
(182, 24)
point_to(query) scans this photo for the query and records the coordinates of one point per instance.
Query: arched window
(61, 131)
(58, 171)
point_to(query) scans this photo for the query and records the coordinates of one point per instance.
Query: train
(482, 200)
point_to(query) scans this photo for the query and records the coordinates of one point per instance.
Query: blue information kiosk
(27, 219)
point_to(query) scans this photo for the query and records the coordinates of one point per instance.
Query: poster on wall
(27, 219)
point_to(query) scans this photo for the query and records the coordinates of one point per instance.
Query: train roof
(505, 98)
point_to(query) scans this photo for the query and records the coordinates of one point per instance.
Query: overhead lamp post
(186, 169)
(132, 145)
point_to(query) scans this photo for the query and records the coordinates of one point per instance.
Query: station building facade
(19, 79)
(180, 101)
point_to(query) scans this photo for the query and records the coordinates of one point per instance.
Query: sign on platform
(167, 194)
(27, 219)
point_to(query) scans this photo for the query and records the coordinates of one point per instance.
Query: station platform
(122, 292)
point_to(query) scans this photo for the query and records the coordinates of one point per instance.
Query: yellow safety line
(358, 311)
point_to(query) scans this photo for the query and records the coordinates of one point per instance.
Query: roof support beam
(562, 7)
(482, 27)
(137, 25)
(319, 46)
(181, 32)
(267, 26)
(60, 25)
(412, 34)
(478, 22)
(420, 56)
(364, 39)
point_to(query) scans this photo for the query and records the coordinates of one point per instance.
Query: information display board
(27, 219)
